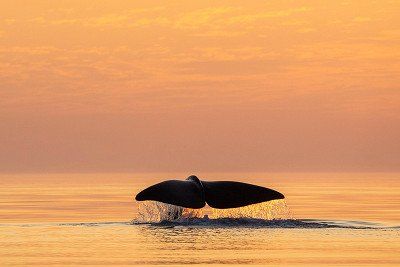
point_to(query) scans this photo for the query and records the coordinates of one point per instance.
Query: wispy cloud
(124, 54)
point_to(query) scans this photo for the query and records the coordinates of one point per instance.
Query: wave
(272, 214)
(250, 223)
(262, 223)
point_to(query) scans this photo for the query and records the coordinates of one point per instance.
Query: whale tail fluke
(193, 193)
(226, 195)
(180, 193)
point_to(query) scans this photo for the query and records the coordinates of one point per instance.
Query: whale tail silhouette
(194, 193)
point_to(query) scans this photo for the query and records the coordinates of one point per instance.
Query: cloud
(124, 56)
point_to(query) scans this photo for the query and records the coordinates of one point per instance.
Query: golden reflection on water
(143, 244)
(31, 204)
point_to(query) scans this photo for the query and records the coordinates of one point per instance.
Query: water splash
(153, 212)
(271, 210)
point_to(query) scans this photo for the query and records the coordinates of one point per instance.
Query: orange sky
(199, 86)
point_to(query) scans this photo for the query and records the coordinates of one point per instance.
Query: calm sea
(92, 219)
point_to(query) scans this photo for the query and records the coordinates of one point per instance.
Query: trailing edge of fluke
(193, 193)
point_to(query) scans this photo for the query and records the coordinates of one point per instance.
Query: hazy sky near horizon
(199, 86)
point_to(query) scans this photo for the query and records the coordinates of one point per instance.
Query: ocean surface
(331, 219)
